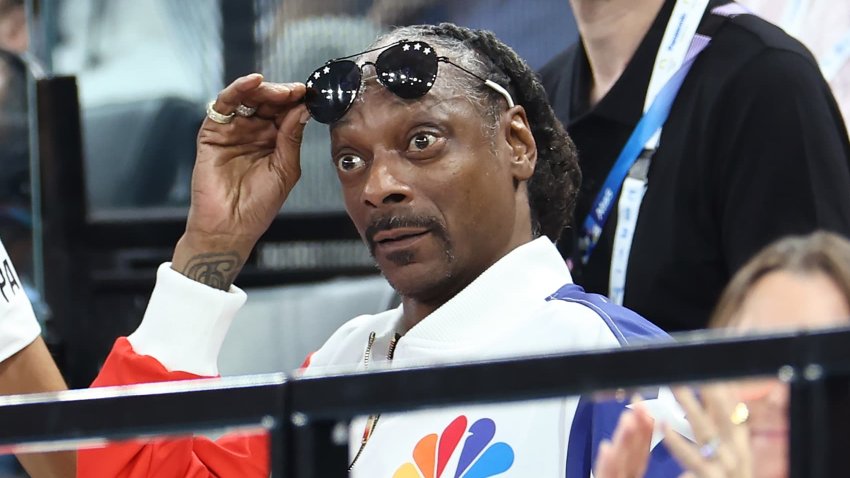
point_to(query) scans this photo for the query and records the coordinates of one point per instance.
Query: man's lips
(398, 234)
(399, 239)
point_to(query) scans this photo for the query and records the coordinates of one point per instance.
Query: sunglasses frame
(416, 45)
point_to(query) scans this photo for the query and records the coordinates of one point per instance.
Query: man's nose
(385, 183)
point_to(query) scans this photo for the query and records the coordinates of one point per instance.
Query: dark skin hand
(243, 173)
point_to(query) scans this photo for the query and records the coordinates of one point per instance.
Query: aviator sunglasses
(406, 68)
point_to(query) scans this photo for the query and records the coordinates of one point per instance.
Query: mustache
(384, 223)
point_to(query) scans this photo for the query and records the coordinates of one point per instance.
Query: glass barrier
(778, 386)
(780, 398)
(674, 429)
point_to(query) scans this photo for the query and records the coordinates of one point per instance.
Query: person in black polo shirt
(721, 134)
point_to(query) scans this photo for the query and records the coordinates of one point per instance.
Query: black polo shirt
(754, 149)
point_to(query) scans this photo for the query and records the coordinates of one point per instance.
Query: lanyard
(672, 63)
(634, 186)
(630, 171)
(673, 51)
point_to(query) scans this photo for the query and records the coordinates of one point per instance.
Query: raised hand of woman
(722, 448)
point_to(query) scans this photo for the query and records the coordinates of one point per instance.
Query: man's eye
(421, 141)
(350, 162)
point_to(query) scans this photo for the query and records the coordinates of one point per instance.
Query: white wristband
(185, 323)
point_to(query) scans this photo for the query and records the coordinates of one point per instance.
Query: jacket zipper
(372, 421)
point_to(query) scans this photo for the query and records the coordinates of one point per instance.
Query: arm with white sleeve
(244, 170)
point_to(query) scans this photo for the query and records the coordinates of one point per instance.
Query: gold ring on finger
(739, 414)
(219, 118)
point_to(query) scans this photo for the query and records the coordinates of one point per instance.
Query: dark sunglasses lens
(331, 90)
(407, 69)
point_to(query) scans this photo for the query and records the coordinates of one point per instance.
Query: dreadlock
(554, 185)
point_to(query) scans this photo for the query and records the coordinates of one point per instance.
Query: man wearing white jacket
(459, 178)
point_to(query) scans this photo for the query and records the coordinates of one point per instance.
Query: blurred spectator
(824, 27)
(800, 282)
(754, 148)
(13, 26)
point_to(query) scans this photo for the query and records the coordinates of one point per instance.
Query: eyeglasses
(406, 68)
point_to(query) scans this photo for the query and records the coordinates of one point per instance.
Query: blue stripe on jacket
(595, 421)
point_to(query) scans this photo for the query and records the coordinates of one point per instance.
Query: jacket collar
(504, 293)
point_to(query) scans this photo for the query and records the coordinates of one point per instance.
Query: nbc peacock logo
(478, 458)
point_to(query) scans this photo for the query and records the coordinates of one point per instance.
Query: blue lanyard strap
(649, 123)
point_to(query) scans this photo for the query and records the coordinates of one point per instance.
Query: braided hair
(554, 185)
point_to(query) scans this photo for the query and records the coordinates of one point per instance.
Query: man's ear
(521, 141)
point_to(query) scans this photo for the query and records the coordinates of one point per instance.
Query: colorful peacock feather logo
(432, 453)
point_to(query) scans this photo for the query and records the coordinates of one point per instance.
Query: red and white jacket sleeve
(179, 338)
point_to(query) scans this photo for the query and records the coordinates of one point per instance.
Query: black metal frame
(308, 409)
(63, 212)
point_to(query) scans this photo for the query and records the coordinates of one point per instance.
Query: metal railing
(305, 414)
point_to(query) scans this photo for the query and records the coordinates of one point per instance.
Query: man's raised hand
(244, 170)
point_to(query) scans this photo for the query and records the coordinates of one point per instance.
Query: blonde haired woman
(741, 429)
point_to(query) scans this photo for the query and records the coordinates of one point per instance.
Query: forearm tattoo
(215, 269)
